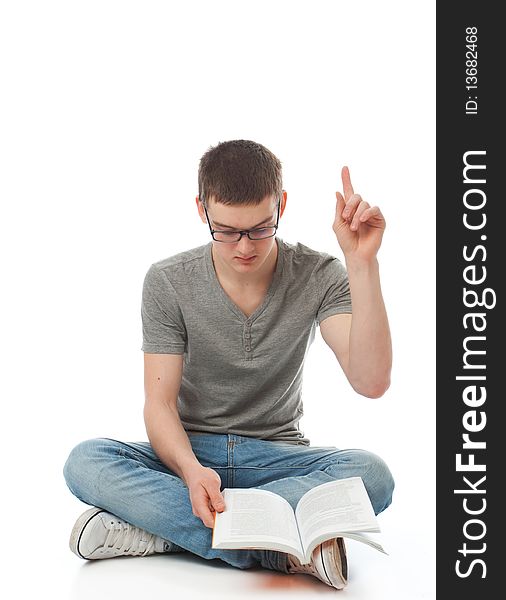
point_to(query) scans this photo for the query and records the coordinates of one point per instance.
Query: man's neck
(259, 279)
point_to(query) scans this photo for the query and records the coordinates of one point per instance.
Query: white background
(106, 109)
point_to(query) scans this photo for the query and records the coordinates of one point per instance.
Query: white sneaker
(99, 534)
(328, 563)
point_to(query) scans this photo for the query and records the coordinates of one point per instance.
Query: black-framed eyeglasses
(232, 237)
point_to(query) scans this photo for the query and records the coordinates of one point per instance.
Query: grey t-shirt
(241, 374)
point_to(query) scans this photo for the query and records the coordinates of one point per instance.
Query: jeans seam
(281, 468)
(230, 462)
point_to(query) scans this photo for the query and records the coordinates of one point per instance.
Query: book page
(256, 519)
(340, 507)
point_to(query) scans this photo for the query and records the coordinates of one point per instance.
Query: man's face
(244, 256)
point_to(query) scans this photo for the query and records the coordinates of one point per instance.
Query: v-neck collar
(226, 298)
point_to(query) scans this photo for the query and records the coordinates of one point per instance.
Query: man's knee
(373, 470)
(82, 462)
(379, 483)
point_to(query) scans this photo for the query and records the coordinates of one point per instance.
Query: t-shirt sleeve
(163, 329)
(333, 288)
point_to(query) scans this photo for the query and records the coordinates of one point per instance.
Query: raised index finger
(347, 187)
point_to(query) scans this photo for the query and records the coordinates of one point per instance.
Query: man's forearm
(370, 349)
(169, 439)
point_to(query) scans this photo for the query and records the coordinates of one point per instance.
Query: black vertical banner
(470, 326)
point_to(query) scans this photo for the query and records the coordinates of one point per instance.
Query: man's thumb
(218, 502)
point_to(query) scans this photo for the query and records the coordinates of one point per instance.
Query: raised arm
(168, 438)
(361, 341)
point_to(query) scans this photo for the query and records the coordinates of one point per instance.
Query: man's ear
(200, 208)
(283, 204)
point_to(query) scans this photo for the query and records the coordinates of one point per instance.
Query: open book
(263, 520)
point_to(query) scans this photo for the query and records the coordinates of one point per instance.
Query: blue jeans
(129, 481)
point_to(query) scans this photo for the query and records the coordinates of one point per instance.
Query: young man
(226, 328)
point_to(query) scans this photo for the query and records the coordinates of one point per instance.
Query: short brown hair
(239, 172)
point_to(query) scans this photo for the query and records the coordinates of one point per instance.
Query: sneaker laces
(128, 539)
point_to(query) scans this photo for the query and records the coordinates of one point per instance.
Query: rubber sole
(340, 564)
(78, 529)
